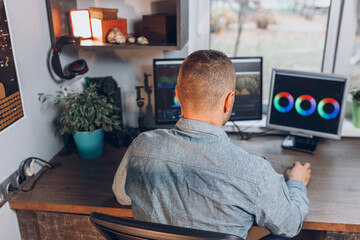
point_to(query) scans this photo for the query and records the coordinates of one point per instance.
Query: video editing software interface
(305, 101)
(248, 93)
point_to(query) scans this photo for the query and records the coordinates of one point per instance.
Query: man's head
(206, 85)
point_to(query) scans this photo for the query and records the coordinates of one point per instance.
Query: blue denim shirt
(193, 176)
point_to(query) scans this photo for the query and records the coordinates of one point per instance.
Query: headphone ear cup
(55, 63)
(75, 68)
(78, 67)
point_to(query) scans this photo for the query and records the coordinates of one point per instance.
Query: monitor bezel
(156, 89)
(182, 59)
(306, 132)
(261, 88)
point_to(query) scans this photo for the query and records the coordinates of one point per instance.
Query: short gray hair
(205, 77)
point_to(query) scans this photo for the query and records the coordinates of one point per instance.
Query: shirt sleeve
(280, 207)
(120, 179)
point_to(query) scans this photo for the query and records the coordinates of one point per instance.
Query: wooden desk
(334, 190)
(77, 187)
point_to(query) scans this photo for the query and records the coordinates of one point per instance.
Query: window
(287, 33)
(355, 59)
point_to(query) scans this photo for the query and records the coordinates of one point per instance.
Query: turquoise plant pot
(89, 144)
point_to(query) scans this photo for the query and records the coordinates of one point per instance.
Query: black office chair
(116, 228)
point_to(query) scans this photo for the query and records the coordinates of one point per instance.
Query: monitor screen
(248, 93)
(308, 104)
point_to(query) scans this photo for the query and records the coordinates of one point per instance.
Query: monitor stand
(302, 144)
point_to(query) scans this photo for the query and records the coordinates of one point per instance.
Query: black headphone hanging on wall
(75, 68)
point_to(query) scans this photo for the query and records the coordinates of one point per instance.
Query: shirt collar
(194, 125)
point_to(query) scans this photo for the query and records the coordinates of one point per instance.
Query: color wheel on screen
(288, 107)
(331, 115)
(302, 111)
(309, 111)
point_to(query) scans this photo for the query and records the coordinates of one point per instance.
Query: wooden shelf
(59, 24)
(92, 44)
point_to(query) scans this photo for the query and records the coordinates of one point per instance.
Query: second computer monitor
(248, 90)
(307, 103)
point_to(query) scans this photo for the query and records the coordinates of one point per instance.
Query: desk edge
(68, 208)
(127, 212)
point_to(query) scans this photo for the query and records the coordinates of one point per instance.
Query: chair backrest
(117, 228)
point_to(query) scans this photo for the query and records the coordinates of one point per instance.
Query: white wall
(34, 134)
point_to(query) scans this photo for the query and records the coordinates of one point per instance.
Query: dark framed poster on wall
(11, 108)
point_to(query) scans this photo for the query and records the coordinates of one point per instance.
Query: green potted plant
(86, 116)
(356, 107)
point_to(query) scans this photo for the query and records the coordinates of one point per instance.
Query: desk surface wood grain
(334, 189)
(82, 186)
(76, 185)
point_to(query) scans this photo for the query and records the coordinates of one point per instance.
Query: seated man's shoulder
(152, 135)
(151, 138)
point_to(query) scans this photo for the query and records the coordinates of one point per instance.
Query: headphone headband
(76, 68)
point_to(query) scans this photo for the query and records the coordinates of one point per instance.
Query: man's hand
(299, 172)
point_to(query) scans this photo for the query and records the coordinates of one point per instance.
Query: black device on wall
(248, 92)
(75, 68)
(109, 87)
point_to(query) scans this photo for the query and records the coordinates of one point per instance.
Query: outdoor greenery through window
(355, 59)
(288, 34)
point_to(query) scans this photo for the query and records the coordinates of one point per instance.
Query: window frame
(346, 36)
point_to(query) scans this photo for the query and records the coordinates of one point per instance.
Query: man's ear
(177, 93)
(229, 100)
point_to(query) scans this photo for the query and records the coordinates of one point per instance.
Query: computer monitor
(308, 105)
(248, 93)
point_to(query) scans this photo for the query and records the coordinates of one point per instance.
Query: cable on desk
(242, 133)
(45, 164)
(264, 133)
(238, 130)
(33, 184)
(22, 175)
(251, 125)
(245, 135)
